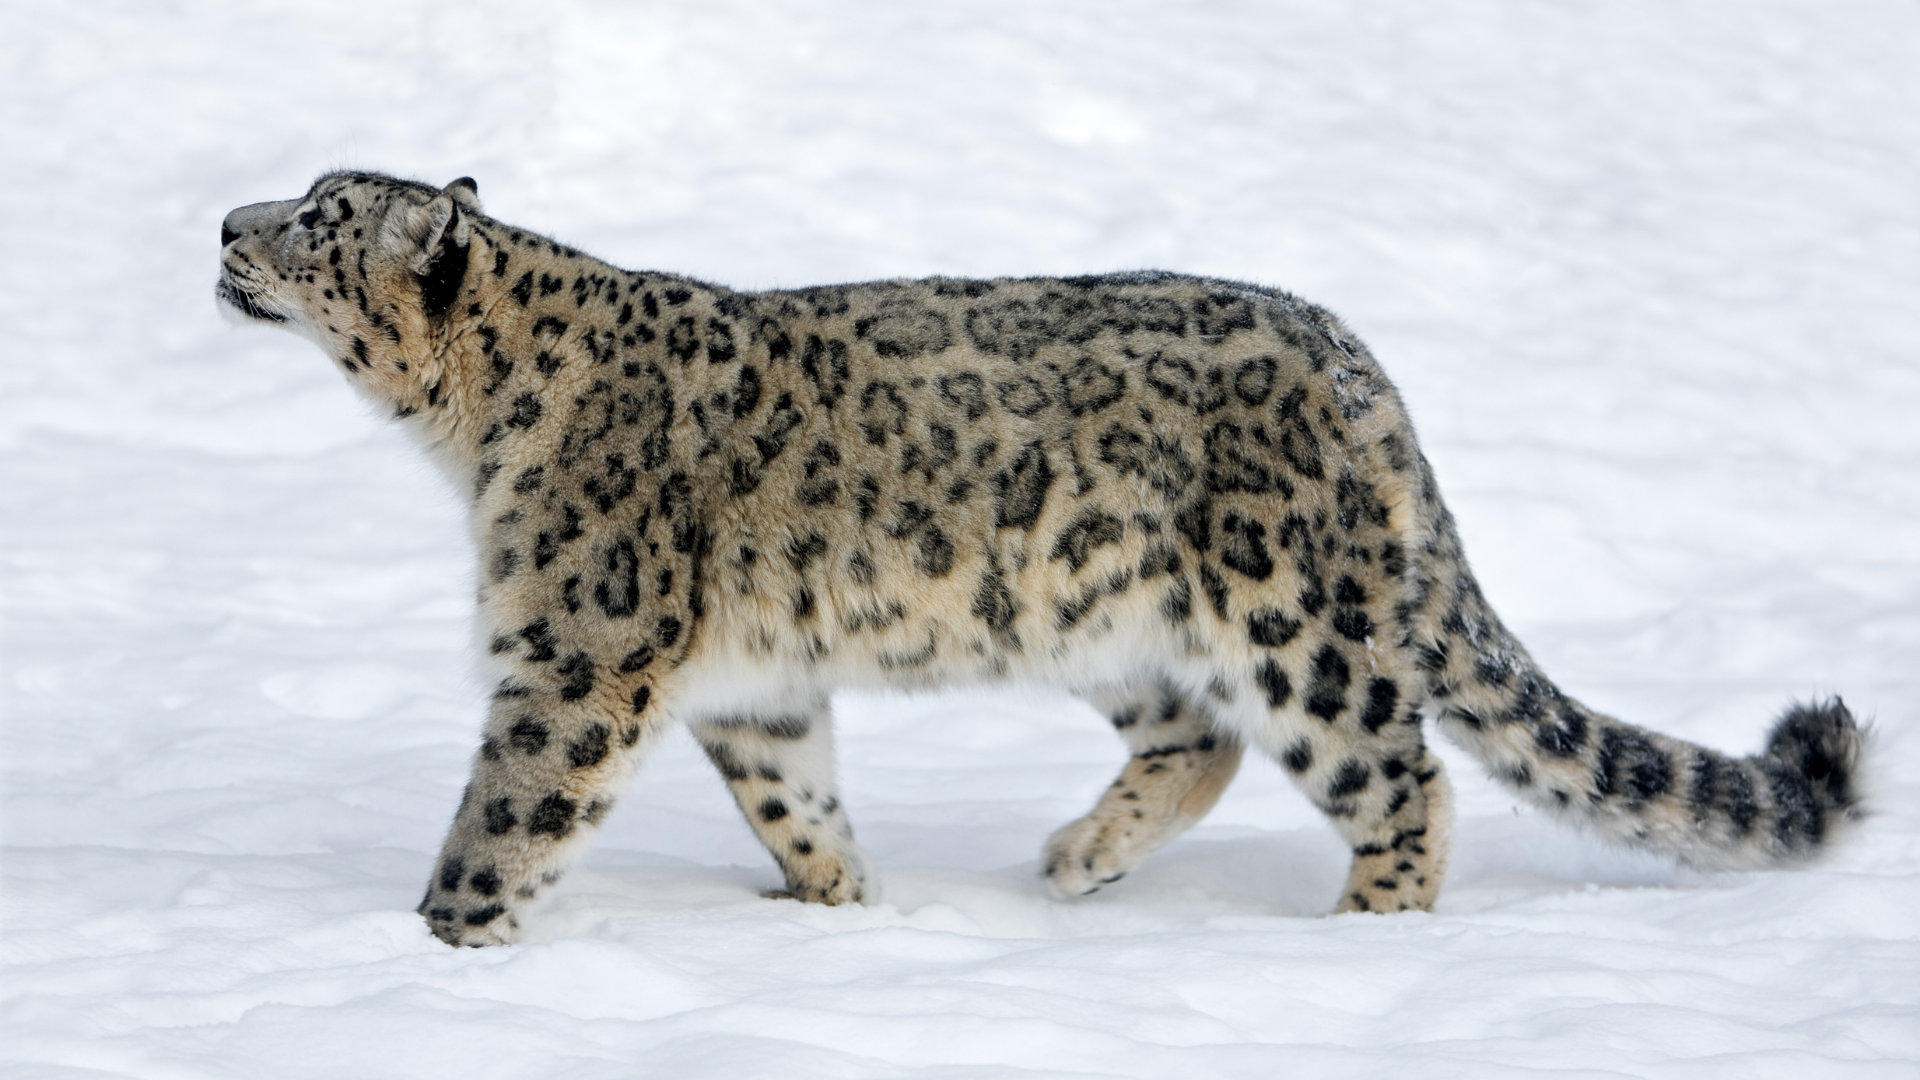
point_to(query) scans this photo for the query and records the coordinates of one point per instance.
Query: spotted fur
(1198, 501)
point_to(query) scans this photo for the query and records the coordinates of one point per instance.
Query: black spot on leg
(485, 915)
(1399, 799)
(590, 748)
(1313, 594)
(500, 819)
(1326, 692)
(552, 816)
(528, 735)
(451, 872)
(1273, 681)
(1383, 695)
(578, 672)
(1298, 757)
(526, 411)
(483, 476)
(618, 594)
(505, 562)
(1352, 623)
(1350, 780)
(486, 882)
(540, 642)
(723, 759)
(785, 727)
(772, 810)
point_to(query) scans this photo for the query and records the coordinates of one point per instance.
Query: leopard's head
(366, 266)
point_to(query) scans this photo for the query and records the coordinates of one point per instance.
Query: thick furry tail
(1783, 806)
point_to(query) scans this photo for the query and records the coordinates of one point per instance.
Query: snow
(1644, 271)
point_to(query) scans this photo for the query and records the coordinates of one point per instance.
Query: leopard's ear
(424, 235)
(466, 192)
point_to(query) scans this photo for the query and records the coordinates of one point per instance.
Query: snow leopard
(1196, 502)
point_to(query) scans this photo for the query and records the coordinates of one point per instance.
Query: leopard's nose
(227, 236)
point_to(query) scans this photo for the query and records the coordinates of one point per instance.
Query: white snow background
(1647, 274)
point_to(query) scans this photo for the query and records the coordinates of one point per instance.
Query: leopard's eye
(311, 218)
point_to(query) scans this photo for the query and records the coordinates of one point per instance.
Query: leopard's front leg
(563, 734)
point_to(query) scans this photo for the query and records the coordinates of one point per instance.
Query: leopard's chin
(234, 299)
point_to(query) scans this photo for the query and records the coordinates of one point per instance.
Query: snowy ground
(1646, 273)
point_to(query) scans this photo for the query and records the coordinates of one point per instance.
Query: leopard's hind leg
(1179, 767)
(1344, 719)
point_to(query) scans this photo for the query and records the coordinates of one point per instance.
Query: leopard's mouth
(247, 303)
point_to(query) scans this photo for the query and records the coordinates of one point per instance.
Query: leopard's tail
(1783, 806)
